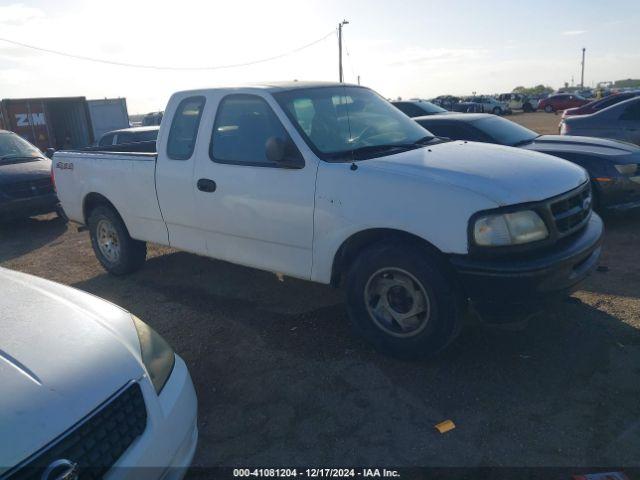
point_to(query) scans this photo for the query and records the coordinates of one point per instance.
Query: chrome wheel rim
(397, 302)
(108, 241)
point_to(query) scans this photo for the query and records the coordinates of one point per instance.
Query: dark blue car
(614, 166)
(26, 187)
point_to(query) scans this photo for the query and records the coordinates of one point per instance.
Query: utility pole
(340, 75)
(582, 76)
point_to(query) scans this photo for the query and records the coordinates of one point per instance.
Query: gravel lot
(282, 381)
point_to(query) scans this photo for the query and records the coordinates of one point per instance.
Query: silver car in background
(619, 122)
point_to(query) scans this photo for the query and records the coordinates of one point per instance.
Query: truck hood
(505, 175)
(62, 353)
(558, 144)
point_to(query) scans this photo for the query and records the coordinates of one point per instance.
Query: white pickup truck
(331, 183)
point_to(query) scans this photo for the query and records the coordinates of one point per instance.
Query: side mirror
(49, 152)
(283, 152)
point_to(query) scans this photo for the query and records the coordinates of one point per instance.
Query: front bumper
(523, 285)
(27, 207)
(166, 448)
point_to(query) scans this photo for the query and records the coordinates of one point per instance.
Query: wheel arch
(357, 242)
(93, 200)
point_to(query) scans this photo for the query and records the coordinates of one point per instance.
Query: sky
(412, 48)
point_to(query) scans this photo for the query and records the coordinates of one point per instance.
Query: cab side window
(184, 128)
(124, 137)
(106, 140)
(244, 123)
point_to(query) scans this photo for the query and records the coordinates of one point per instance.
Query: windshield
(12, 146)
(505, 132)
(347, 123)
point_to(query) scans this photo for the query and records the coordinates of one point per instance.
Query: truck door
(253, 211)
(175, 175)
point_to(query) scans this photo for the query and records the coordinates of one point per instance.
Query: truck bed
(138, 147)
(125, 178)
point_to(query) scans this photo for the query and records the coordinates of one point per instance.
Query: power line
(161, 67)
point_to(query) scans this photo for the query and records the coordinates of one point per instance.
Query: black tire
(497, 111)
(548, 109)
(444, 319)
(132, 253)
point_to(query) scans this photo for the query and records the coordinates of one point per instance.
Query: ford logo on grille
(62, 469)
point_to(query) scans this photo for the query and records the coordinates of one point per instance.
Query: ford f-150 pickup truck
(331, 183)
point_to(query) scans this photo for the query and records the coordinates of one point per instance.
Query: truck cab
(331, 183)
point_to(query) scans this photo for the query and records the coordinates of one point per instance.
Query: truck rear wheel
(118, 253)
(400, 301)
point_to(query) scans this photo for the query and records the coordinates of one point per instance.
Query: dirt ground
(541, 122)
(281, 379)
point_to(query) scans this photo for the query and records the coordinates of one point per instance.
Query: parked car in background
(418, 107)
(467, 107)
(517, 101)
(595, 105)
(26, 186)
(153, 118)
(586, 93)
(612, 166)
(129, 135)
(88, 389)
(561, 101)
(489, 104)
(446, 101)
(620, 121)
(296, 178)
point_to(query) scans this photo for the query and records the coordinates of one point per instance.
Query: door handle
(206, 185)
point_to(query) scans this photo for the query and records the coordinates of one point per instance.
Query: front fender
(350, 201)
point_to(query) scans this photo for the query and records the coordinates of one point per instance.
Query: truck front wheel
(400, 301)
(118, 253)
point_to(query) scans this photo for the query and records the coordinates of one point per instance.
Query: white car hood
(504, 175)
(62, 353)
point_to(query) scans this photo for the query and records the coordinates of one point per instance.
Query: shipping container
(49, 122)
(108, 114)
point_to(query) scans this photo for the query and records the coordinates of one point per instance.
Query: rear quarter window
(184, 128)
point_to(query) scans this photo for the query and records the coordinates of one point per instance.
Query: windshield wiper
(368, 151)
(425, 140)
(18, 157)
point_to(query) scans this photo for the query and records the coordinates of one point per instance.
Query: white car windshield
(350, 123)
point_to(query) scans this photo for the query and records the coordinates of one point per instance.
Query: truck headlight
(629, 169)
(509, 229)
(157, 355)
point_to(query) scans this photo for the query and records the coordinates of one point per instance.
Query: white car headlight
(157, 354)
(509, 229)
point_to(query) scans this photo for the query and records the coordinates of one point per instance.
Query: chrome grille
(96, 442)
(571, 211)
